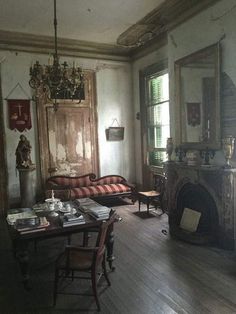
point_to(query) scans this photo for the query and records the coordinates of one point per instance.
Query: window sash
(157, 117)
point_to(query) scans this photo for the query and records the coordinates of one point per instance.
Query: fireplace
(209, 191)
(197, 198)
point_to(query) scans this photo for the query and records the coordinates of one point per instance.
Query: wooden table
(147, 198)
(21, 241)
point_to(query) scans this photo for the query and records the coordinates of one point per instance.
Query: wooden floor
(154, 274)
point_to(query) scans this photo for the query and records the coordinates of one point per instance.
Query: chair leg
(148, 203)
(86, 237)
(94, 287)
(105, 270)
(35, 246)
(55, 287)
(139, 203)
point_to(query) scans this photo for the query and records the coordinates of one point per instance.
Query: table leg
(110, 246)
(22, 255)
(148, 202)
(139, 203)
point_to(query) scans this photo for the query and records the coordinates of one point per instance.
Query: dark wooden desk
(55, 229)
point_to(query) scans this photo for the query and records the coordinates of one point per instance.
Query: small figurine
(180, 153)
(23, 150)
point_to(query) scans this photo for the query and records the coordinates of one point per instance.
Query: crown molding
(162, 19)
(144, 37)
(67, 47)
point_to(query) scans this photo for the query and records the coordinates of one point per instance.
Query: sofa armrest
(131, 185)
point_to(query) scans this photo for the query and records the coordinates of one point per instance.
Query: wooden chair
(154, 196)
(75, 260)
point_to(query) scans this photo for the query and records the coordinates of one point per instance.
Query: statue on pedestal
(23, 150)
(25, 168)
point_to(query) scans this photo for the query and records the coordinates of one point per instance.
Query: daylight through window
(158, 120)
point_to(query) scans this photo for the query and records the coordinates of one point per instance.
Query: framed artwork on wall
(115, 133)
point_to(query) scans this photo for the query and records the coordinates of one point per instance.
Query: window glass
(158, 125)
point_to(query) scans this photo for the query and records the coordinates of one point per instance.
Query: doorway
(68, 136)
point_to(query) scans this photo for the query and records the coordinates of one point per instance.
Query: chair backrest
(102, 235)
(159, 181)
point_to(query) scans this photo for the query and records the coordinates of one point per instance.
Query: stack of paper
(20, 213)
(72, 219)
(27, 225)
(93, 208)
(98, 211)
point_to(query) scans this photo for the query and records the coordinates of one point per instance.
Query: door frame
(4, 198)
(90, 101)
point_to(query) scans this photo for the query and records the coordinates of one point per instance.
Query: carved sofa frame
(69, 188)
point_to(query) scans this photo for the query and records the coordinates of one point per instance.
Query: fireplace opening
(197, 198)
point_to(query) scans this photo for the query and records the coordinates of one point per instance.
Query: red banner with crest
(19, 114)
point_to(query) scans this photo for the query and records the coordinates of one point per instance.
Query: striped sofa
(67, 187)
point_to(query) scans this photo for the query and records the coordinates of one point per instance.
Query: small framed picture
(193, 113)
(115, 133)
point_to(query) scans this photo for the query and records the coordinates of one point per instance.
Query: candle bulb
(52, 194)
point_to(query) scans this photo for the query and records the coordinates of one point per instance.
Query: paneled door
(69, 140)
(68, 136)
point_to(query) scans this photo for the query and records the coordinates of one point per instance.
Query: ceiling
(105, 28)
(100, 21)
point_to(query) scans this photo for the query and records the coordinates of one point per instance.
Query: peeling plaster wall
(139, 65)
(217, 23)
(114, 95)
(114, 101)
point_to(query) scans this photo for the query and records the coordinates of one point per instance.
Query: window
(157, 116)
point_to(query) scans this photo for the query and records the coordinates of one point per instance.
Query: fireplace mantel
(218, 182)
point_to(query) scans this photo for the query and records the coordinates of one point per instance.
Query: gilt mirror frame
(197, 81)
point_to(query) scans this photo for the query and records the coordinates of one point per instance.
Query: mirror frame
(215, 140)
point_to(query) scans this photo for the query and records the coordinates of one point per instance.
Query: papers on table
(72, 219)
(27, 225)
(20, 213)
(24, 220)
(94, 209)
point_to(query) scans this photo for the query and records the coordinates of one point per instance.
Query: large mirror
(197, 96)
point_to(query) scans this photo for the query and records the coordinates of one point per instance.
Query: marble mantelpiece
(219, 183)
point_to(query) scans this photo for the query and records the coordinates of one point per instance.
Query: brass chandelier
(58, 81)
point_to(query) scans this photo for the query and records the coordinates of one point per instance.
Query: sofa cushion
(99, 190)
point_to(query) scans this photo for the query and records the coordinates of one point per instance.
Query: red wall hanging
(19, 114)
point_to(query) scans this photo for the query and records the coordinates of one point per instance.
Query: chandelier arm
(55, 26)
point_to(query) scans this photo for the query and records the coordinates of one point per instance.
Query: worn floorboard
(154, 274)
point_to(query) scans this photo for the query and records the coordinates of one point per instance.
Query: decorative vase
(228, 149)
(180, 153)
(169, 147)
(207, 154)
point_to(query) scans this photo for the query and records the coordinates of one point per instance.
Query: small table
(147, 198)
